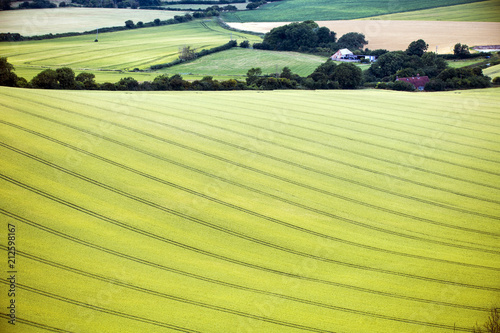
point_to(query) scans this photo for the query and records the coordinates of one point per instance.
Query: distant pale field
(397, 35)
(58, 20)
(240, 6)
(251, 211)
(485, 11)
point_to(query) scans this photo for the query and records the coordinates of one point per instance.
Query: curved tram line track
(292, 226)
(235, 286)
(224, 230)
(295, 204)
(329, 193)
(337, 148)
(219, 308)
(242, 148)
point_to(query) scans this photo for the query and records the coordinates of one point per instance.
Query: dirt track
(396, 35)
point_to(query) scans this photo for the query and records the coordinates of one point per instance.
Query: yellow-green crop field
(285, 211)
(123, 50)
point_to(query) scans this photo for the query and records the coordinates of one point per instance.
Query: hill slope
(123, 50)
(238, 61)
(483, 11)
(319, 211)
(301, 10)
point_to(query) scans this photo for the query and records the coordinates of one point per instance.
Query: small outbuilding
(418, 81)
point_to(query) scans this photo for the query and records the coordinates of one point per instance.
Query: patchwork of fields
(286, 211)
(124, 50)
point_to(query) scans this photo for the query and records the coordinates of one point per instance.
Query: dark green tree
(325, 36)
(5, 4)
(130, 24)
(127, 83)
(46, 79)
(161, 83)
(7, 75)
(388, 64)
(87, 80)
(253, 74)
(461, 50)
(286, 73)
(352, 41)
(348, 75)
(417, 48)
(66, 78)
(292, 37)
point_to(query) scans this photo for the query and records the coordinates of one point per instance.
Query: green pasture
(464, 62)
(238, 61)
(276, 211)
(483, 11)
(301, 10)
(124, 50)
(492, 71)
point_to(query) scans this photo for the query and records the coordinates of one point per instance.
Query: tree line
(326, 76)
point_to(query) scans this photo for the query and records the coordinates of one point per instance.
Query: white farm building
(347, 56)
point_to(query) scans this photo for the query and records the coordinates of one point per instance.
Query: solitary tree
(286, 73)
(417, 48)
(253, 74)
(130, 24)
(461, 50)
(187, 53)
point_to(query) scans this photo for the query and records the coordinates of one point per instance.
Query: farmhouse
(417, 81)
(347, 56)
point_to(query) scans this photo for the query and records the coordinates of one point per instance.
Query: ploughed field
(286, 211)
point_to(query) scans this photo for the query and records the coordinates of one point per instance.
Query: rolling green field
(492, 71)
(124, 50)
(301, 10)
(484, 11)
(238, 61)
(285, 211)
